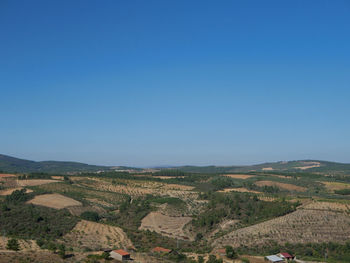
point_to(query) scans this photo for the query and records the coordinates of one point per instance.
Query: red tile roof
(286, 255)
(222, 251)
(161, 249)
(121, 252)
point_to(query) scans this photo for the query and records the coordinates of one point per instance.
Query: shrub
(230, 253)
(91, 216)
(13, 244)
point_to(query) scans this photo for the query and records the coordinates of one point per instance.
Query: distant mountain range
(15, 165)
(314, 166)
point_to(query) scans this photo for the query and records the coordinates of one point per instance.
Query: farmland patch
(284, 186)
(56, 201)
(166, 225)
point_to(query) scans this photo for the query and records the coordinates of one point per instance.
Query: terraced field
(166, 225)
(302, 226)
(96, 236)
(26, 245)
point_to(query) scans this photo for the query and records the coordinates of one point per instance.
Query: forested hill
(15, 165)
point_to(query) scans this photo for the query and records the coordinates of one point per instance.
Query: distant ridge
(15, 165)
(282, 166)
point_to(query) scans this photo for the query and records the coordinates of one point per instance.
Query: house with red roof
(161, 250)
(286, 256)
(120, 254)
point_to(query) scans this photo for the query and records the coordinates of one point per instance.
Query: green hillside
(290, 166)
(15, 165)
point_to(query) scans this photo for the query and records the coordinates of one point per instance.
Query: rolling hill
(15, 165)
(314, 166)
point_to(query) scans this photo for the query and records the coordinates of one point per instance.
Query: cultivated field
(166, 225)
(26, 245)
(239, 176)
(96, 236)
(34, 182)
(328, 206)
(284, 186)
(56, 201)
(301, 226)
(333, 186)
(240, 189)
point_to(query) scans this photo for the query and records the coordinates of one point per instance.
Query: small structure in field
(222, 252)
(120, 254)
(274, 259)
(161, 250)
(286, 256)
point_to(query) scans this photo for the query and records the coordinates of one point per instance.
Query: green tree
(62, 251)
(13, 244)
(91, 216)
(52, 247)
(200, 259)
(212, 259)
(105, 255)
(230, 253)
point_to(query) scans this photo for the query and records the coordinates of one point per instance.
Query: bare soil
(56, 201)
(239, 176)
(34, 182)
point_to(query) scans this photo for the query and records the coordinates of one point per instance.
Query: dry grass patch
(239, 176)
(34, 182)
(166, 225)
(267, 169)
(308, 165)
(284, 186)
(333, 186)
(97, 236)
(56, 201)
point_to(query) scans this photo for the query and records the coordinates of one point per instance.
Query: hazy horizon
(170, 83)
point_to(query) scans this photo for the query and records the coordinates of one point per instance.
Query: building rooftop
(161, 249)
(274, 258)
(121, 252)
(286, 255)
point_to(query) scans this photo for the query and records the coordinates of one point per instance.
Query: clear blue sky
(148, 83)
